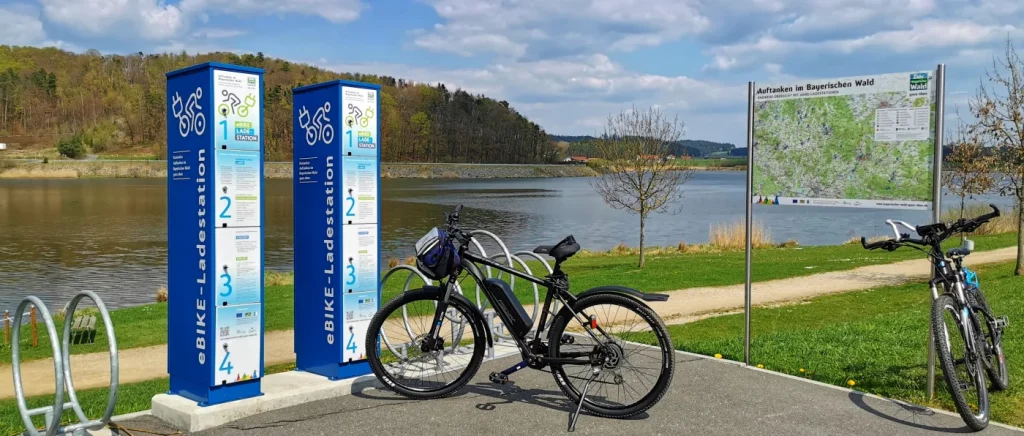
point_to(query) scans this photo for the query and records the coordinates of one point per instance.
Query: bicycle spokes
(416, 360)
(615, 339)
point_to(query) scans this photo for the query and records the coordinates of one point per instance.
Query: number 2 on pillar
(351, 206)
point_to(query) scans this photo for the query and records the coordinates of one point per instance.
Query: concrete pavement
(707, 397)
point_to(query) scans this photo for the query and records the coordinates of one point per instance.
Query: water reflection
(60, 236)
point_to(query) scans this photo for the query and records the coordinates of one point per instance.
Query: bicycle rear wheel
(636, 362)
(964, 373)
(403, 364)
(998, 372)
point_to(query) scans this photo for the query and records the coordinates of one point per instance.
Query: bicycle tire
(667, 367)
(458, 302)
(943, 350)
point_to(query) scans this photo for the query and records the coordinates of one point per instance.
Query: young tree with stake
(970, 167)
(999, 110)
(638, 178)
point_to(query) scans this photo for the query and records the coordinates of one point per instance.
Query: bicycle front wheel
(963, 371)
(411, 369)
(632, 354)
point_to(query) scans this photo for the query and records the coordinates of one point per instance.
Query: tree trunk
(1020, 240)
(643, 222)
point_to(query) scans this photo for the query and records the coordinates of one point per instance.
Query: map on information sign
(850, 142)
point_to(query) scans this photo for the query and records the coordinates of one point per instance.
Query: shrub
(161, 295)
(46, 160)
(7, 165)
(74, 147)
(734, 236)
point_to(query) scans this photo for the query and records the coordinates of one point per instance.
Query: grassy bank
(143, 168)
(876, 338)
(147, 325)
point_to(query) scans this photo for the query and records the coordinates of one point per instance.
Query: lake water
(109, 235)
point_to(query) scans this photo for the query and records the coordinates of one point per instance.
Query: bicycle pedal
(498, 378)
(1001, 322)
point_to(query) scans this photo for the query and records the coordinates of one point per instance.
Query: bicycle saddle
(560, 251)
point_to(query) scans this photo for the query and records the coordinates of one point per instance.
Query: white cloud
(575, 95)
(337, 11)
(721, 62)
(545, 29)
(921, 35)
(218, 33)
(23, 27)
(150, 19)
(20, 27)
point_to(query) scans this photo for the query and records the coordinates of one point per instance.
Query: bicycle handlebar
(453, 226)
(961, 225)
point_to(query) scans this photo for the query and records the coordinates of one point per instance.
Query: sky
(565, 64)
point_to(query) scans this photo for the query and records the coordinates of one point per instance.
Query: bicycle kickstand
(583, 397)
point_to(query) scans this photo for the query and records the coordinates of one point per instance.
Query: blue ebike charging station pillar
(215, 232)
(337, 225)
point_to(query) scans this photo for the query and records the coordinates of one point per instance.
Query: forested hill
(583, 146)
(118, 103)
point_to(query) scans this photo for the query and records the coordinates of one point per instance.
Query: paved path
(707, 397)
(138, 364)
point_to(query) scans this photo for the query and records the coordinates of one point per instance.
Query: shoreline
(151, 169)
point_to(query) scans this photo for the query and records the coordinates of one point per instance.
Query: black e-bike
(608, 351)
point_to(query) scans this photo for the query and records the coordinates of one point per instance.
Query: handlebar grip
(988, 216)
(871, 246)
(458, 209)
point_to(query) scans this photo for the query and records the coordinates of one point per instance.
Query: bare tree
(970, 167)
(637, 177)
(999, 110)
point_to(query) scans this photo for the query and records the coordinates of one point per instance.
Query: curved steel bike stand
(62, 371)
(490, 317)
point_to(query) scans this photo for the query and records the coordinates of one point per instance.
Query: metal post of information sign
(940, 110)
(748, 295)
(798, 138)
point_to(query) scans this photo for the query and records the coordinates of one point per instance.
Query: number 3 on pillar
(351, 275)
(228, 289)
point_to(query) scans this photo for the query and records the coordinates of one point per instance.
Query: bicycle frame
(557, 287)
(953, 278)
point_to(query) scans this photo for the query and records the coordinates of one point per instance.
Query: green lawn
(147, 325)
(131, 397)
(876, 338)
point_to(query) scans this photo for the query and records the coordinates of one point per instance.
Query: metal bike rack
(62, 371)
(491, 319)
